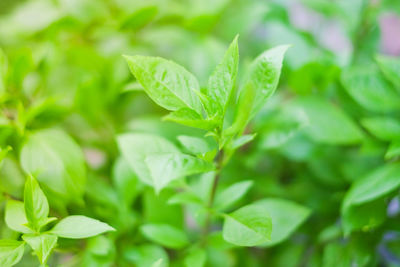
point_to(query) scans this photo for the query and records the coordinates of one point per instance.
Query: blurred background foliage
(334, 122)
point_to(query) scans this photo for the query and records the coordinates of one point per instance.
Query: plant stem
(219, 161)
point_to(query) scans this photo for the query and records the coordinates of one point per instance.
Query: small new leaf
(35, 204)
(222, 81)
(191, 118)
(42, 245)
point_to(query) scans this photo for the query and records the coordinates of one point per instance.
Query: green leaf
(157, 161)
(42, 245)
(248, 226)
(3, 153)
(139, 18)
(384, 128)
(286, 217)
(185, 198)
(222, 81)
(35, 204)
(165, 168)
(370, 90)
(11, 252)
(78, 226)
(390, 66)
(263, 75)
(15, 216)
(242, 111)
(3, 71)
(231, 195)
(189, 117)
(158, 263)
(195, 145)
(136, 147)
(364, 205)
(168, 84)
(165, 235)
(393, 150)
(195, 258)
(364, 217)
(327, 123)
(376, 184)
(145, 255)
(125, 181)
(56, 161)
(243, 140)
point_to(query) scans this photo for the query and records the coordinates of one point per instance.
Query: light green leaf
(286, 217)
(195, 258)
(390, 66)
(231, 195)
(242, 111)
(35, 204)
(370, 90)
(125, 181)
(167, 167)
(158, 263)
(3, 153)
(243, 140)
(11, 252)
(15, 216)
(165, 235)
(168, 84)
(327, 123)
(195, 145)
(78, 226)
(56, 161)
(222, 81)
(42, 245)
(136, 147)
(185, 198)
(3, 71)
(139, 18)
(248, 226)
(189, 117)
(393, 150)
(157, 161)
(263, 75)
(384, 128)
(145, 255)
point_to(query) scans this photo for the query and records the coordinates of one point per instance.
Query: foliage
(132, 134)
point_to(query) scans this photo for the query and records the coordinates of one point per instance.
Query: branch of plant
(219, 162)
